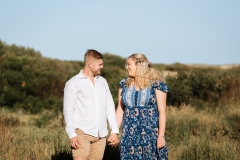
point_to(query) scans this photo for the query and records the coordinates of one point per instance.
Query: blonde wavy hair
(145, 74)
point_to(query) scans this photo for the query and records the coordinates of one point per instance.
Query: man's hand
(113, 139)
(75, 142)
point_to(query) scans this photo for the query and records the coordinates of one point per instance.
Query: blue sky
(186, 31)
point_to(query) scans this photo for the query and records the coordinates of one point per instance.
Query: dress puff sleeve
(122, 83)
(161, 86)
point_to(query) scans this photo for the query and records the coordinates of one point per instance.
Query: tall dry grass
(207, 134)
(191, 134)
(21, 139)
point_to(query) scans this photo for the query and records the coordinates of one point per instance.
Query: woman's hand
(161, 142)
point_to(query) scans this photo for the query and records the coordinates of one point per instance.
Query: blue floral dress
(140, 123)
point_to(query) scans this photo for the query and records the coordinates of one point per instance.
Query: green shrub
(201, 87)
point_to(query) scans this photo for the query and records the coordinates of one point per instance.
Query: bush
(201, 87)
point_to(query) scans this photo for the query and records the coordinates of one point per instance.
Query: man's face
(96, 66)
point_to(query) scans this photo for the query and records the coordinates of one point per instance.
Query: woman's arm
(161, 103)
(119, 111)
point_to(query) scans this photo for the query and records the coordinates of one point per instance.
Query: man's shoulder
(101, 78)
(74, 78)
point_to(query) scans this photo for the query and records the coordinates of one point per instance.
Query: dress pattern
(140, 123)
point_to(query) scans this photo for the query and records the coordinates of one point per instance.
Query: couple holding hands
(141, 111)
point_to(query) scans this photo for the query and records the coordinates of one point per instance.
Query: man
(88, 104)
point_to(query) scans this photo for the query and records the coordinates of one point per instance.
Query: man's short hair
(93, 54)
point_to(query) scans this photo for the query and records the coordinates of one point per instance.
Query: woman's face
(131, 67)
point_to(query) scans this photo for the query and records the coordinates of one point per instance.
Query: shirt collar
(81, 75)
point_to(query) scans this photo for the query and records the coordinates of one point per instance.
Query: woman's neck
(135, 84)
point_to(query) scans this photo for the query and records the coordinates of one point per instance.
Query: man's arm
(119, 117)
(111, 112)
(69, 101)
(113, 138)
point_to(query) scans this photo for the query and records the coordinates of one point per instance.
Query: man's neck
(88, 74)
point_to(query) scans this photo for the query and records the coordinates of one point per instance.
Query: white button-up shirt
(88, 106)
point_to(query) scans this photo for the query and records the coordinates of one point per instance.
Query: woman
(142, 110)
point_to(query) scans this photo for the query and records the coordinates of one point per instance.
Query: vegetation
(203, 106)
(204, 88)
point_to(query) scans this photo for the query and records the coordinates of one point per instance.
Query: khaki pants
(91, 148)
